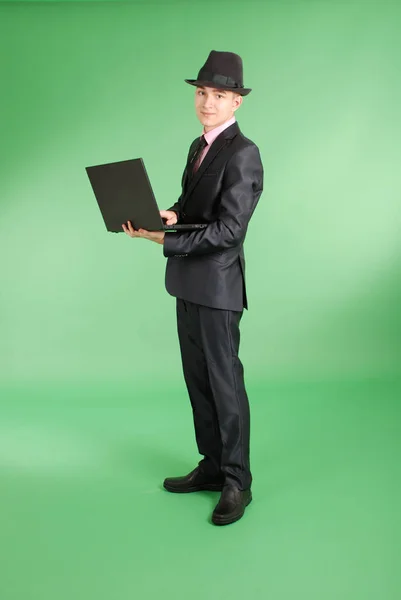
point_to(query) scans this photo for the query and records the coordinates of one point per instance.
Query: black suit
(206, 273)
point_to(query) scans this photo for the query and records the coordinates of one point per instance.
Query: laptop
(124, 193)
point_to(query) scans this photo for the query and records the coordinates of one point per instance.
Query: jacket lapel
(219, 143)
(185, 180)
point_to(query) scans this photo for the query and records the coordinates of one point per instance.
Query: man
(221, 185)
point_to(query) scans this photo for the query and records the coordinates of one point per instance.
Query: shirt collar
(211, 135)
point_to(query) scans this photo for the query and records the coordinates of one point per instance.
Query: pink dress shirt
(210, 136)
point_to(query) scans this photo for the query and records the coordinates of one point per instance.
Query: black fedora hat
(222, 70)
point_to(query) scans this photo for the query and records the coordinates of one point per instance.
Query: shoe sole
(195, 488)
(228, 520)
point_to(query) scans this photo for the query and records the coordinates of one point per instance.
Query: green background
(94, 412)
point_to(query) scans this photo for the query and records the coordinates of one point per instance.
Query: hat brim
(237, 90)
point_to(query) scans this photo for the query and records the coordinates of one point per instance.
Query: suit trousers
(209, 342)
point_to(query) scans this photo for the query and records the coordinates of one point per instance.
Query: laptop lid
(124, 193)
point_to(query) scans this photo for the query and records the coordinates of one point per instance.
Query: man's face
(214, 107)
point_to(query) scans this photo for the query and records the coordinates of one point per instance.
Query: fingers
(132, 232)
(154, 236)
(170, 216)
(127, 229)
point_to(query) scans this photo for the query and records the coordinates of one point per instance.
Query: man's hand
(170, 215)
(154, 236)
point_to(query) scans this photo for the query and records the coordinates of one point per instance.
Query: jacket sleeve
(177, 205)
(243, 187)
(176, 208)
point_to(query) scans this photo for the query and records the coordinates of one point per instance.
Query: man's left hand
(153, 236)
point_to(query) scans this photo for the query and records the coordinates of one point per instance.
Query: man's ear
(237, 100)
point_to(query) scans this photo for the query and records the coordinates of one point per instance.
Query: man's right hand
(170, 216)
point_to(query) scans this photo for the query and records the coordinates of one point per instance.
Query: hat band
(219, 79)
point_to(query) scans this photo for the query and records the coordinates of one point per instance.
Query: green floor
(84, 516)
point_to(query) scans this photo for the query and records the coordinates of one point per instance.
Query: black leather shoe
(195, 481)
(231, 506)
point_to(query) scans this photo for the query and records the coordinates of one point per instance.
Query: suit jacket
(208, 266)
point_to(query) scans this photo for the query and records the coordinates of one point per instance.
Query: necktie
(196, 156)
